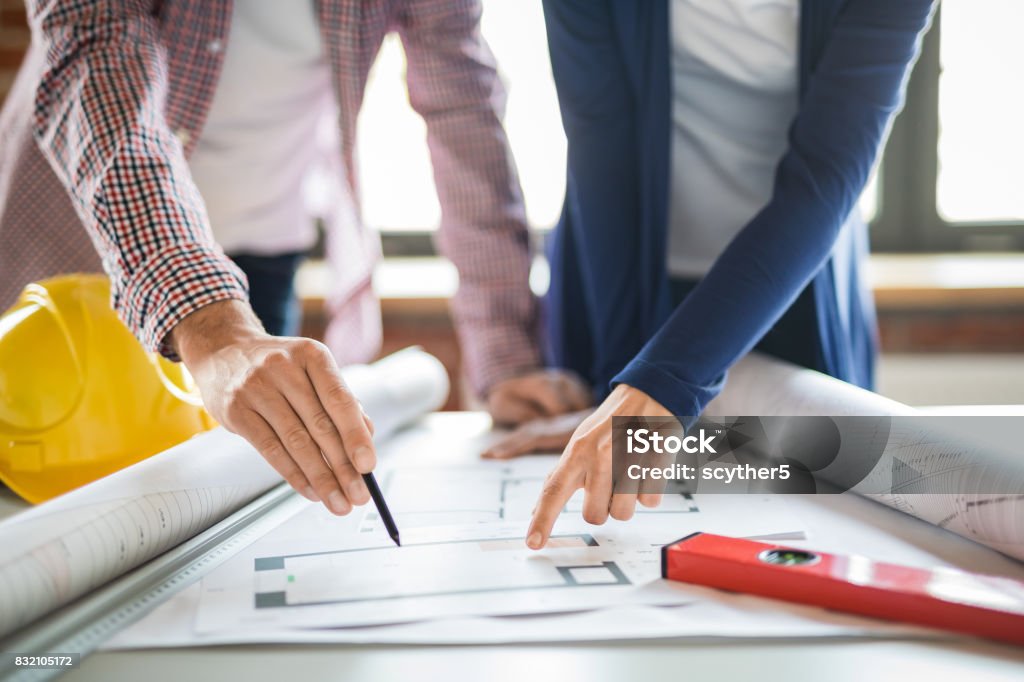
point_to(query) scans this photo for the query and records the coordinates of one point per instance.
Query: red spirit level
(980, 605)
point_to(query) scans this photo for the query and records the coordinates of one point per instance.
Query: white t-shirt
(735, 90)
(258, 143)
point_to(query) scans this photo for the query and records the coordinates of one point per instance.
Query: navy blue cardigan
(609, 315)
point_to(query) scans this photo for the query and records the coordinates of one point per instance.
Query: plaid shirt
(112, 98)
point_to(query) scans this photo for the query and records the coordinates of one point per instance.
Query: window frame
(407, 243)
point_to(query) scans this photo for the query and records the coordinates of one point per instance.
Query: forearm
(486, 237)
(100, 123)
(747, 290)
(494, 310)
(844, 116)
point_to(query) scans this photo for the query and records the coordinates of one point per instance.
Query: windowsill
(422, 286)
(948, 280)
(406, 286)
(413, 287)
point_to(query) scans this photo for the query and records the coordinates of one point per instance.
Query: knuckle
(338, 396)
(322, 423)
(310, 347)
(323, 480)
(298, 439)
(353, 435)
(250, 381)
(270, 447)
(553, 487)
(624, 513)
(276, 360)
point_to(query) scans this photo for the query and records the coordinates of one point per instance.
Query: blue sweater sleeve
(845, 112)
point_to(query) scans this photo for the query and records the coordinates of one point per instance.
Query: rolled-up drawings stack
(963, 474)
(67, 546)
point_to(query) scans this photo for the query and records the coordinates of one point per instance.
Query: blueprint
(439, 572)
(836, 523)
(463, 553)
(482, 492)
(724, 617)
(463, 574)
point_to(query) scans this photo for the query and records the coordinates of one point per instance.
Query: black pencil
(382, 507)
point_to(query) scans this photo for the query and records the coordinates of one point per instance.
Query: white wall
(952, 379)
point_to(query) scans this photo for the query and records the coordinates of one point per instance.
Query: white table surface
(833, 660)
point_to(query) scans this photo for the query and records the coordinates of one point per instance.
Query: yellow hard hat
(79, 396)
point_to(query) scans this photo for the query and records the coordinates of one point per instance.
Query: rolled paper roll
(963, 474)
(399, 389)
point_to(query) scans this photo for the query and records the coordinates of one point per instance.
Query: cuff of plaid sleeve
(172, 285)
(497, 352)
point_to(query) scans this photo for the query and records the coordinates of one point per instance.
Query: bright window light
(981, 110)
(395, 173)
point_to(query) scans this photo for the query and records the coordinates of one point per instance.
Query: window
(953, 172)
(981, 110)
(952, 176)
(392, 137)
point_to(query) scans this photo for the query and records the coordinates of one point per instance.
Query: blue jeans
(272, 290)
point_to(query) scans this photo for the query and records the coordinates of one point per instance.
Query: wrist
(212, 328)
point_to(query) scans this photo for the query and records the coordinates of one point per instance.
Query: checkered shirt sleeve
(454, 85)
(99, 120)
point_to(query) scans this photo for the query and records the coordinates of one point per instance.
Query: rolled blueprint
(399, 389)
(74, 543)
(925, 469)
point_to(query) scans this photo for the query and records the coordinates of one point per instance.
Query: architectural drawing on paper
(428, 569)
(422, 497)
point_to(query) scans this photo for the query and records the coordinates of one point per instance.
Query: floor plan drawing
(483, 494)
(299, 580)
(463, 522)
(437, 572)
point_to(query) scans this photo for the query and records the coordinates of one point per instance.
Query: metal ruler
(80, 627)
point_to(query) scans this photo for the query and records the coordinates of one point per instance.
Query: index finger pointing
(343, 408)
(559, 487)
